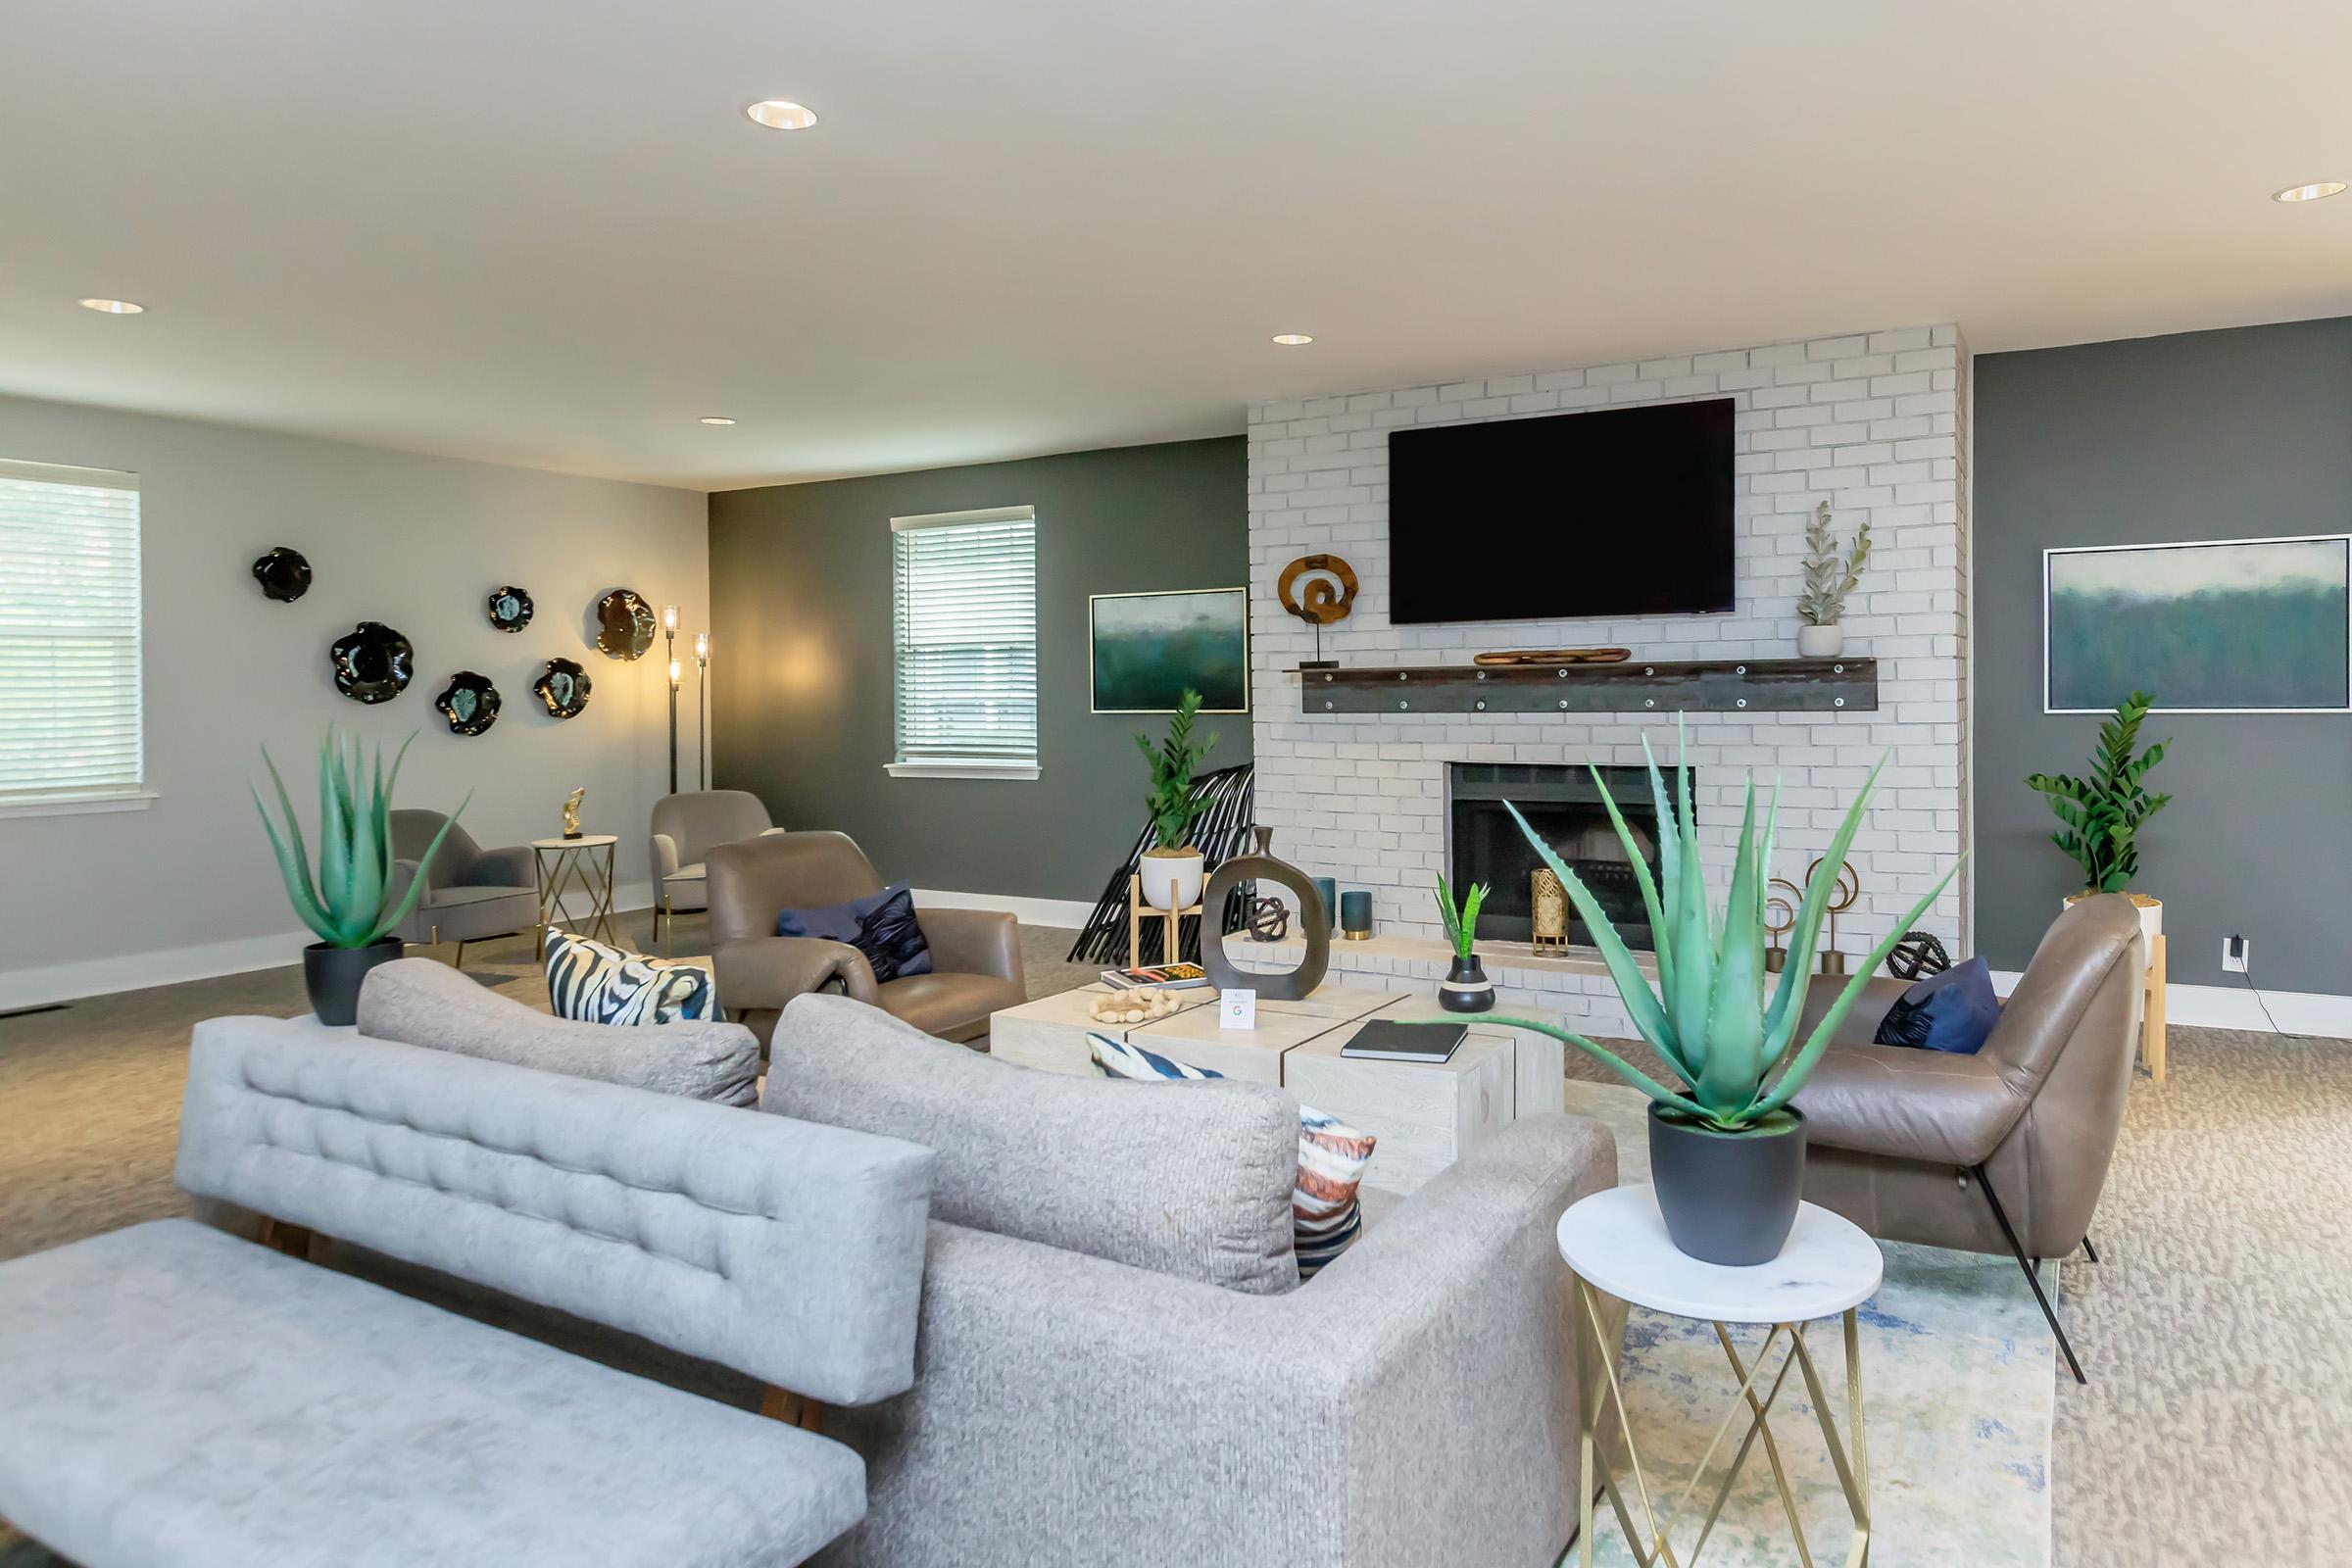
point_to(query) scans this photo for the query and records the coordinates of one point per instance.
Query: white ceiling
(542, 231)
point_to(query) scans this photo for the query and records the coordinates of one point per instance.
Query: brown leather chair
(2002, 1152)
(975, 953)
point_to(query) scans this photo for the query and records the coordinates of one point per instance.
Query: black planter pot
(1727, 1197)
(332, 976)
(1466, 988)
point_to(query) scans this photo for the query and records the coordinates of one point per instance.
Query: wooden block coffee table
(1049, 1033)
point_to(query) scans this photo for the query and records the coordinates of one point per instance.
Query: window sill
(970, 769)
(79, 804)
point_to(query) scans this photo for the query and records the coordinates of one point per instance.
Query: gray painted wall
(187, 886)
(2206, 435)
(801, 597)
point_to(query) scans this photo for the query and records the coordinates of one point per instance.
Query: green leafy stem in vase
(1714, 1017)
(2103, 815)
(1462, 920)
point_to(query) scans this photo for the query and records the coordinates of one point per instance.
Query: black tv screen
(1616, 512)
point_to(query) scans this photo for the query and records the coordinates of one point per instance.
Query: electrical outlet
(2236, 951)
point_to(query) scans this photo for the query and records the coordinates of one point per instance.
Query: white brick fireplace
(1874, 423)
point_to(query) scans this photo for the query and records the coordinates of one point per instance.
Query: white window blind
(70, 716)
(964, 618)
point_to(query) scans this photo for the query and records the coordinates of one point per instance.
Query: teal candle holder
(1328, 889)
(1355, 915)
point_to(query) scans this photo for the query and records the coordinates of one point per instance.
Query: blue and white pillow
(1325, 1217)
(589, 982)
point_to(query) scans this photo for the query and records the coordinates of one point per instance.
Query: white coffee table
(1617, 1245)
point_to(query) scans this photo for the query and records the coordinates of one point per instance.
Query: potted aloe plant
(1172, 868)
(351, 903)
(1727, 1151)
(1465, 987)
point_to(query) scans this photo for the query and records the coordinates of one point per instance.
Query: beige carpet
(2215, 1429)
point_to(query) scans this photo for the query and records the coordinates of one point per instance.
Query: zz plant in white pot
(1727, 1151)
(1172, 869)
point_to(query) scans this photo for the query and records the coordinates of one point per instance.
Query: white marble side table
(1616, 1243)
(585, 864)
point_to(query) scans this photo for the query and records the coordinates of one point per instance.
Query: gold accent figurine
(572, 812)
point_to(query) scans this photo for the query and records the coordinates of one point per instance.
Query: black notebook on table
(1385, 1040)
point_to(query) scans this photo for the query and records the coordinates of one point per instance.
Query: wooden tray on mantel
(1555, 656)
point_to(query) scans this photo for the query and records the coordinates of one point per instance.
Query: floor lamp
(702, 706)
(670, 648)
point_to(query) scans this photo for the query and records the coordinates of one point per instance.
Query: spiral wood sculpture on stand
(1327, 596)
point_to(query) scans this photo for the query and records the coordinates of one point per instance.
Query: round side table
(565, 863)
(1616, 1243)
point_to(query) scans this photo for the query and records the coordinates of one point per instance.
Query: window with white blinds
(964, 629)
(70, 717)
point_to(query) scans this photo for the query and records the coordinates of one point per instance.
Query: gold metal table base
(575, 865)
(1593, 1473)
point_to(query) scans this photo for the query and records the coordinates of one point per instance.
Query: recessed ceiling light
(112, 306)
(781, 114)
(2310, 192)
(716, 419)
(1292, 340)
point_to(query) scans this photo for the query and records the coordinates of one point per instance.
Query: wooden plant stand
(1171, 932)
(2151, 1027)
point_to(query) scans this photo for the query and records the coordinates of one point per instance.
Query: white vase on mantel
(1820, 642)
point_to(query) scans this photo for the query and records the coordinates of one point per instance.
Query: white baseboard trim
(1067, 913)
(135, 971)
(2315, 1014)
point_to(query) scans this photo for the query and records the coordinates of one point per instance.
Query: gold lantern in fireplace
(1548, 903)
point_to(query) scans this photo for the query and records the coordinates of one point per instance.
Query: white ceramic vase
(1820, 642)
(1172, 877)
(2151, 919)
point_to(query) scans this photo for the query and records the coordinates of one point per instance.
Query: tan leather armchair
(2002, 1152)
(975, 953)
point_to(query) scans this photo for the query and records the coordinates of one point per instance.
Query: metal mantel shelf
(1754, 685)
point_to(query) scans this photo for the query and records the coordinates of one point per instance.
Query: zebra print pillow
(589, 982)
(1325, 1217)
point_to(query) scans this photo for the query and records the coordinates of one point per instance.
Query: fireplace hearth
(1564, 806)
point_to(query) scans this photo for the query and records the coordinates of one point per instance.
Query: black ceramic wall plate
(625, 624)
(563, 688)
(510, 609)
(374, 664)
(283, 574)
(469, 702)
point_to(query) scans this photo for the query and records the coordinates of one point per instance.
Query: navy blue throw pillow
(1952, 1012)
(881, 925)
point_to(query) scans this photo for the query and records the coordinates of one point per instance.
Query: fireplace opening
(1564, 806)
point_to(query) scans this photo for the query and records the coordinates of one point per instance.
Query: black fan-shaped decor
(373, 664)
(469, 701)
(510, 609)
(563, 688)
(625, 624)
(283, 574)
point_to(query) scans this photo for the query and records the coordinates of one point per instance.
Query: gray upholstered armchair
(471, 893)
(975, 953)
(686, 829)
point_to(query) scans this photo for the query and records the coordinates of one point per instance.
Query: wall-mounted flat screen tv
(1615, 511)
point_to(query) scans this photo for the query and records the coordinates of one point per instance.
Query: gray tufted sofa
(179, 1398)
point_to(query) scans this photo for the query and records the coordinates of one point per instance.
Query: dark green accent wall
(2206, 435)
(802, 701)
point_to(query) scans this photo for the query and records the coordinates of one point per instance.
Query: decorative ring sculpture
(1315, 921)
(1330, 592)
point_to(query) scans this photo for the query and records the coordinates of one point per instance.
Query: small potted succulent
(1727, 1151)
(1828, 580)
(1465, 987)
(1172, 869)
(2101, 815)
(351, 904)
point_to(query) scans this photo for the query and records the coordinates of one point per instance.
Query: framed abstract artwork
(1147, 648)
(2215, 626)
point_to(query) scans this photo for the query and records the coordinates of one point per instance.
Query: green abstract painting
(1147, 648)
(2244, 625)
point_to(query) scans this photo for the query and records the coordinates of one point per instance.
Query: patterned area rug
(1959, 1380)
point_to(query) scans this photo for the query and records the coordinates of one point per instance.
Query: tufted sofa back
(789, 1252)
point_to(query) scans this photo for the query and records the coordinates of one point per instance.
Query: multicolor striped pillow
(1331, 1155)
(589, 982)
